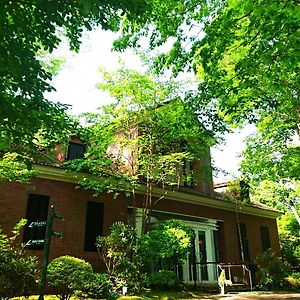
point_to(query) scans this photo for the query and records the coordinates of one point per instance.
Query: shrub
(168, 244)
(119, 252)
(66, 274)
(18, 273)
(163, 279)
(99, 286)
(271, 270)
(293, 280)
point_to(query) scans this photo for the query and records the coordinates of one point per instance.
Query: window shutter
(244, 241)
(94, 224)
(37, 211)
(265, 238)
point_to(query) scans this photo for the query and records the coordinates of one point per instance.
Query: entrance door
(200, 266)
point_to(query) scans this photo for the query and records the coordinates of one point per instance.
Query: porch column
(210, 254)
(138, 221)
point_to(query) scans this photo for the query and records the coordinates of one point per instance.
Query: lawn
(148, 295)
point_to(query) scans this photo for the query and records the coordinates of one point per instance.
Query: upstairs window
(265, 238)
(94, 224)
(37, 211)
(75, 151)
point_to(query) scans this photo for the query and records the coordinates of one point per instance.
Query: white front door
(201, 263)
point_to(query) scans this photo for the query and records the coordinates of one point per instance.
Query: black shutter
(94, 224)
(265, 238)
(75, 151)
(244, 241)
(37, 211)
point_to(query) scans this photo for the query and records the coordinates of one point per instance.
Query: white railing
(231, 271)
(230, 266)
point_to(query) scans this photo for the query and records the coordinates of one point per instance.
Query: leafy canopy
(246, 58)
(146, 133)
(29, 30)
(289, 236)
(144, 137)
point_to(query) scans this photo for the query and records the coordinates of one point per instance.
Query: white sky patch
(227, 157)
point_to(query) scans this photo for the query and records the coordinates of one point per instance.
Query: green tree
(29, 30)
(284, 196)
(15, 168)
(119, 252)
(245, 56)
(144, 137)
(245, 53)
(289, 236)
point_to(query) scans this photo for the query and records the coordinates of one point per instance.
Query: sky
(76, 85)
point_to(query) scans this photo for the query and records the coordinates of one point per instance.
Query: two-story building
(225, 233)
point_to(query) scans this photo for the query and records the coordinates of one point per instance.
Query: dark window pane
(203, 255)
(216, 246)
(94, 224)
(37, 211)
(265, 238)
(75, 151)
(192, 262)
(243, 241)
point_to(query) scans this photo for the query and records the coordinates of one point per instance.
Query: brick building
(213, 219)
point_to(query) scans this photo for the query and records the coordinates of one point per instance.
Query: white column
(197, 254)
(186, 272)
(138, 221)
(210, 254)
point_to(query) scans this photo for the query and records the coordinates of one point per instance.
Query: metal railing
(230, 266)
(231, 270)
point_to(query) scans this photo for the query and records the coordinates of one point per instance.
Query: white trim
(208, 228)
(54, 173)
(209, 201)
(185, 215)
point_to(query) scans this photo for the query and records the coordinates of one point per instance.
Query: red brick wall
(227, 233)
(70, 204)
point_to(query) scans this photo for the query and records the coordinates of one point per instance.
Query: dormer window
(75, 150)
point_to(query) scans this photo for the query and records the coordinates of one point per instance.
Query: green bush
(18, 272)
(163, 279)
(271, 270)
(98, 286)
(119, 252)
(67, 274)
(168, 244)
(293, 281)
